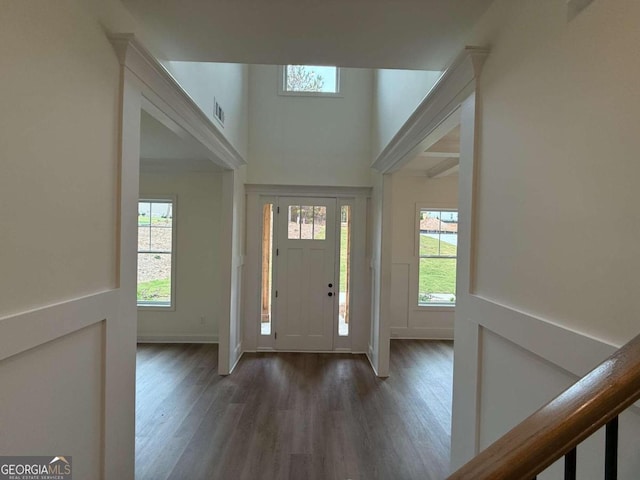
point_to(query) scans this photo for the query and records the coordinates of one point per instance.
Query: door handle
(330, 294)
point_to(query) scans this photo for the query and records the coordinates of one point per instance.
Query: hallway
(288, 415)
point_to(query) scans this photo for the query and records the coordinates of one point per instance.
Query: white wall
(61, 88)
(574, 169)
(557, 143)
(381, 222)
(58, 132)
(408, 320)
(516, 382)
(396, 94)
(225, 82)
(231, 271)
(238, 251)
(295, 140)
(114, 17)
(42, 413)
(198, 228)
(375, 232)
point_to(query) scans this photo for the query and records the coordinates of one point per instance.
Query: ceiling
(410, 34)
(439, 160)
(163, 150)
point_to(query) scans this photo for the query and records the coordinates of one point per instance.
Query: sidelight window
(267, 269)
(345, 270)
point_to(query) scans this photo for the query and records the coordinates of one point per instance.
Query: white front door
(305, 286)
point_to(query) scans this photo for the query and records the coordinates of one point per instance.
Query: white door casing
(258, 195)
(306, 252)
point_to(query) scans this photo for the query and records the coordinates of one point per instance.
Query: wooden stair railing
(557, 428)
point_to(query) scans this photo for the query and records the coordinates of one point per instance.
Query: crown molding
(181, 166)
(307, 190)
(162, 90)
(455, 84)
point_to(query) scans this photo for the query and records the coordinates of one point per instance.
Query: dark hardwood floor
(293, 416)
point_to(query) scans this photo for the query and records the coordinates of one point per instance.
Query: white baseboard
(370, 358)
(237, 354)
(273, 350)
(235, 364)
(187, 338)
(401, 333)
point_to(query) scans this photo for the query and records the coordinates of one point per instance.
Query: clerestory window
(310, 80)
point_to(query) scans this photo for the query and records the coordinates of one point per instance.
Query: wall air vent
(575, 7)
(218, 113)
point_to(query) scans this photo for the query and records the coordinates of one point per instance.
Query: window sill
(284, 93)
(434, 308)
(156, 308)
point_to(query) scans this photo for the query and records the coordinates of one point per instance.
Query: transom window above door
(307, 222)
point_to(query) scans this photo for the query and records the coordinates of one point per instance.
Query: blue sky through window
(328, 75)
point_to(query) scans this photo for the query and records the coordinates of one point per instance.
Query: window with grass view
(310, 79)
(438, 236)
(345, 270)
(267, 268)
(307, 222)
(155, 253)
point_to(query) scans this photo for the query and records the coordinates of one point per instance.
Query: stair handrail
(559, 426)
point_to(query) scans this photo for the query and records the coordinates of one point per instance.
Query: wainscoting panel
(52, 368)
(518, 363)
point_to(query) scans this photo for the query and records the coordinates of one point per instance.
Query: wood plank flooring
(293, 416)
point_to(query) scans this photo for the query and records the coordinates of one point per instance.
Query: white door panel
(306, 268)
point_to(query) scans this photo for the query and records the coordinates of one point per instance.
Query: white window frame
(267, 342)
(343, 342)
(282, 82)
(443, 307)
(174, 209)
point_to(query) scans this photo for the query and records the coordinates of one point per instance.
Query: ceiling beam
(444, 168)
(441, 103)
(439, 155)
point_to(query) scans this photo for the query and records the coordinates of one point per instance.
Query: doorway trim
(454, 91)
(359, 199)
(305, 314)
(144, 84)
